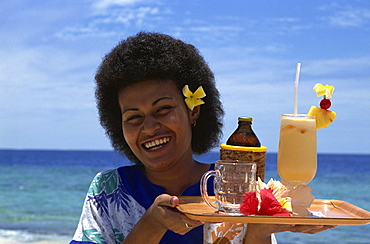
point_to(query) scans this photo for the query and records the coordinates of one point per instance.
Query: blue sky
(50, 51)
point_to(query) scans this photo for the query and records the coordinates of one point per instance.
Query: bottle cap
(244, 119)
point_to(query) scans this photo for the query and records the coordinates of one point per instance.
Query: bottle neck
(245, 125)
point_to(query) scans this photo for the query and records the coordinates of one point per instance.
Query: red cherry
(325, 103)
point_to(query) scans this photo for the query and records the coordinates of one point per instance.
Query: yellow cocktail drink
(297, 155)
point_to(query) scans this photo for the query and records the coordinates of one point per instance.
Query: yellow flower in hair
(321, 90)
(193, 99)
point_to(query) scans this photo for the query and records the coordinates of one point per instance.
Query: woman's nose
(150, 126)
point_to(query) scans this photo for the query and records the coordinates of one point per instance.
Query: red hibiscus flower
(269, 205)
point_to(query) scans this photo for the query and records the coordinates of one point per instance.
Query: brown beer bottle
(244, 135)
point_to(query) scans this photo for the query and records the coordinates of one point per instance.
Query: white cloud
(105, 4)
(47, 97)
(112, 23)
(33, 79)
(211, 29)
(283, 20)
(347, 16)
(128, 17)
(357, 17)
(340, 68)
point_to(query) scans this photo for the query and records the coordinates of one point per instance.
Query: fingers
(167, 200)
(309, 229)
(171, 218)
(320, 228)
(189, 226)
(276, 228)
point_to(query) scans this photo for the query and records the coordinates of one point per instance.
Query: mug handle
(204, 190)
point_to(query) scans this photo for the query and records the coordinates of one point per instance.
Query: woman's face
(156, 123)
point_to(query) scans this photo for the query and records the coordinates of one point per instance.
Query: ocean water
(42, 191)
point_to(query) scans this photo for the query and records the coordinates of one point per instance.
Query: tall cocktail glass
(297, 155)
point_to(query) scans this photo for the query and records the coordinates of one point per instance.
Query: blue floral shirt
(115, 202)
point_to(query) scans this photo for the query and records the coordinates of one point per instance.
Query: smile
(156, 144)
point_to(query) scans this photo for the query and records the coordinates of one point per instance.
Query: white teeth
(156, 143)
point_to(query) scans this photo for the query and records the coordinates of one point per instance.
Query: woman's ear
(194, 115)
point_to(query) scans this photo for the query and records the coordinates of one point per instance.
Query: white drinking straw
(298, 70)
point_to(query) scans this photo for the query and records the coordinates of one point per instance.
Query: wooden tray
(333, 212)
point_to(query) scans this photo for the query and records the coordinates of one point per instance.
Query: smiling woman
(148, 119)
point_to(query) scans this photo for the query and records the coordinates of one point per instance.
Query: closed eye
(135, 119)
(163, 109)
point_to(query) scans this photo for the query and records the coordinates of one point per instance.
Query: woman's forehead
(149, 91)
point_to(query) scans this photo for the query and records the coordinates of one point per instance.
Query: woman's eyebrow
(129, 109)
(160, 99)
(154, 103)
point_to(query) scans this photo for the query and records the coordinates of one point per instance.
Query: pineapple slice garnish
(324, 117)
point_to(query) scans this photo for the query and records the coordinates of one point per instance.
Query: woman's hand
(160, 217)
(164, 211)
(308, 229)
(261, 233)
